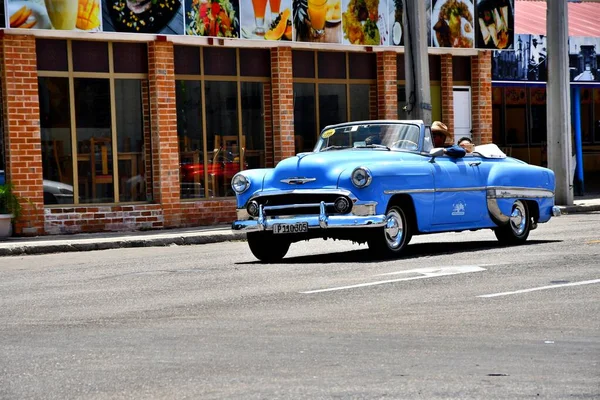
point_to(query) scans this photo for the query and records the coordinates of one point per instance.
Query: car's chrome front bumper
(321, 221)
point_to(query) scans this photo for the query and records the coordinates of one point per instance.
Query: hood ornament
(297, 181)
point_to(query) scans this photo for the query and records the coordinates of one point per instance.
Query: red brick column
(283, 103)
(22, 138)
(481, 86)
(447, 92)
(387, 85)
(268, 104)
(165, 156)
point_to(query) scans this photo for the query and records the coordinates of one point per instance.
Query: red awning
(530, 17)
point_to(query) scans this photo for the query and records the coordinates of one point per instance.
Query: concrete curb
(62, 246)
(579, 209)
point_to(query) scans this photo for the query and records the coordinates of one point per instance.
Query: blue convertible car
(380, 183)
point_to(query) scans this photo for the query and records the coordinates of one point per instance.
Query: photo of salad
(219, 18)
(364, 22)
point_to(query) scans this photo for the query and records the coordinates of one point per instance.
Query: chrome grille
(299, 203)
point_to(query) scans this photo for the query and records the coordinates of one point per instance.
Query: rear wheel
(518, 227)
(391, 240)
(268, 247)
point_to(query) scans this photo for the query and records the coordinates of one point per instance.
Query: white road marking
(431, 272)
(542, 288)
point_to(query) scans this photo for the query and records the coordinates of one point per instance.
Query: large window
(516, 115)
(94, 117)
(220, 116)
(329, 88)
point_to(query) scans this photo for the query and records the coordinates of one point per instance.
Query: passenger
(440, 133)
(466, 143)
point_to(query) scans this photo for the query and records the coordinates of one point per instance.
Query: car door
(460, 193)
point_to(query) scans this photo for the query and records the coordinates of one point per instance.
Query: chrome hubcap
(393, 229)
(517, 218)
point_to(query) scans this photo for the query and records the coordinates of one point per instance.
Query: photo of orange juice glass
(62, 13)
(275, 5)
(317, 11)
(259, 7)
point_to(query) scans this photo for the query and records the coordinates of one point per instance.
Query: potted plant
(9, 208)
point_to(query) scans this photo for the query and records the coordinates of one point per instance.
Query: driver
(374, 135)
(440, 133)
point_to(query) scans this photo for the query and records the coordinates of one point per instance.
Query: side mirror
(436, 152)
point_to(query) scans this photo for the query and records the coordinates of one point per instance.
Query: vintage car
(380, 183)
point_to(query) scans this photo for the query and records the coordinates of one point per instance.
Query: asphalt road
(459, 317)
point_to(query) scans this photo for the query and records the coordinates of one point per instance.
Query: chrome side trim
(494, 210)
(407, 191)
(465, 189)
(411, 191)
(506, 192)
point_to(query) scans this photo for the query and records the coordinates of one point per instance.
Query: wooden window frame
(111, 75)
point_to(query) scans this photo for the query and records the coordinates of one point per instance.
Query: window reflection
(57, 159)
(304, 117)
(189, 133)
(94, 141)
(359, 102)
(251, 150)
(221, 136)
(332, 104)
(130, 139)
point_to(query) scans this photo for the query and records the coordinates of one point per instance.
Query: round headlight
(240, 183)
(361, 177)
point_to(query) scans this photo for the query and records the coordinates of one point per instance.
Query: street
(459, 317)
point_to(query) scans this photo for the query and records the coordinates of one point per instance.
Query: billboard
(450, 23)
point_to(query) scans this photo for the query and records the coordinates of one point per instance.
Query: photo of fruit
(143, 16)
(318, 21)
(81, 15)
(218, 18)
(266, 19)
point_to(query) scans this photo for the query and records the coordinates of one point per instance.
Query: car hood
(322, 170)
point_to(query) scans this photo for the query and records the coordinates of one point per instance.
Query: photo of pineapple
(334, 11)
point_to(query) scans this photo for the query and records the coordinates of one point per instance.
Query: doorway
(462, 112)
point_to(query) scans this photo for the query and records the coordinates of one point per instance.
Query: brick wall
(481, 86)
(387, 85)
(165, 151)
(267, 95)
(81, 219)
(22, 139)
(283, 103)
(447, 93)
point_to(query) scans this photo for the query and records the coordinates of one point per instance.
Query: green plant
(9, 201)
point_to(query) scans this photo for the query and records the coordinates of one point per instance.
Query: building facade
(120, 132)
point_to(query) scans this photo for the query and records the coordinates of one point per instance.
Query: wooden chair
(99, 167)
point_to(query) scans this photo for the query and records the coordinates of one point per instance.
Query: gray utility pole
(559, 100)
(418, 94)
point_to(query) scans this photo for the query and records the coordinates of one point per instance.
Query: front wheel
(518, 227)
(267, 247)
(393, 238)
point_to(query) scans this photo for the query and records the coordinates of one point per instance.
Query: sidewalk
(15, 246)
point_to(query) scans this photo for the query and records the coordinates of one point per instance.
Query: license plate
(298, 227)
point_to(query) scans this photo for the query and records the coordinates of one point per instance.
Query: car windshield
(376, 135)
